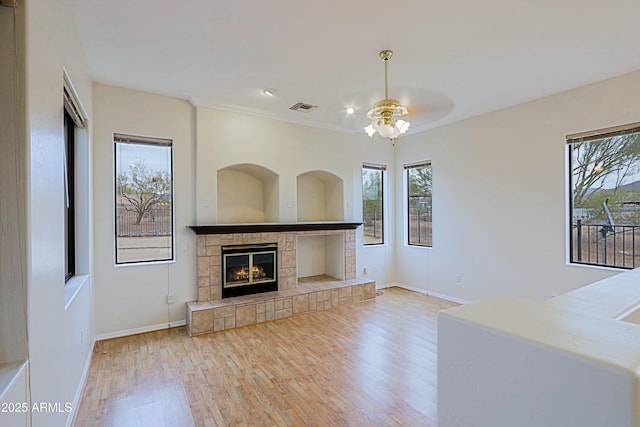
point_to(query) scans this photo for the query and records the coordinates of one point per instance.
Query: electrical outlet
(171, 298)
(364, 271)
(458, 278)
(81, 336)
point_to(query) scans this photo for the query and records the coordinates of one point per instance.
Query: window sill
(144, 263)
(406, 245)
(72, 287)
(599, 267)
(375, 245)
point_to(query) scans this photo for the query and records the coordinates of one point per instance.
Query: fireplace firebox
(249, 269)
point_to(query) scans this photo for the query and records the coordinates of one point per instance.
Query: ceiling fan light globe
(388, 131)
(370, 130)
(402, 126)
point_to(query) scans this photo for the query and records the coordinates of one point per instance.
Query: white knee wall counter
(569, 361)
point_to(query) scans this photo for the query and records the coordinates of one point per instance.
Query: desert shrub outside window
(373, 203)
(419, 204)
(604, 188)
(143, 199)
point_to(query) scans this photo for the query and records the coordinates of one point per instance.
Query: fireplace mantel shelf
(277, 227)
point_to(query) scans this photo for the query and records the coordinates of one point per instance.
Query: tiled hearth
(309, 296)
(213, 313)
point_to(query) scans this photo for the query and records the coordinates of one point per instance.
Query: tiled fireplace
(212, 311)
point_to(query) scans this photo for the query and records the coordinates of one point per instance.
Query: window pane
(69, 198)
(144, 202)
(372, 205)
(605, 201)
(419, 204)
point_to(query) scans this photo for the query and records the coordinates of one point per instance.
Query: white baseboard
(431, 293)
(83, 382)
(449, 298)
(135, 331)
(384, 285)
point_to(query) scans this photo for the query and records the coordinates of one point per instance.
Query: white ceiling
(452, 60)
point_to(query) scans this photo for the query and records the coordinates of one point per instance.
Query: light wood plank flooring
(367, 364)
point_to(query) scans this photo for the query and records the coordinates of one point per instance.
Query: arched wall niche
(320, 196)
(247, 193)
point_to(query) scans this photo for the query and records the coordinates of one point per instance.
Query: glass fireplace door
(237, 270)
(249, 269)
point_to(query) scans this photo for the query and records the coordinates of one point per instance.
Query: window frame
(70, 196)
(121, 138)
(571, 140)
(407, 168)
(383, 171)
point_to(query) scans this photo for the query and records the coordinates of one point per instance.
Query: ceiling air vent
(301, 106)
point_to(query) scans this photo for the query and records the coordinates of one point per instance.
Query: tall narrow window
(604, 179)
(419, 210)
(143, 199)
(74, 118)
(69, 197)
(373, 203)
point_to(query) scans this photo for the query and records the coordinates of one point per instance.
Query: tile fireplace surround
(212, 313)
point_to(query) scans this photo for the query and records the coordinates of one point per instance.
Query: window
(373, 203)
(419, 204)
(604, 188)
(143, 199)
(69, 196)
(74, 118)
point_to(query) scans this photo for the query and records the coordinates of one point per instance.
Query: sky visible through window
(154, 157)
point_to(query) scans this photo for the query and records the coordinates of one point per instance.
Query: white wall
(320, 254)
(13, 323)
(13, 233)
(499, 195)
(311, 199)
(310, 256)
(227, 138)
(334, 259)
(320, 197)
(133, 298)
(60, 324)
(240, 197)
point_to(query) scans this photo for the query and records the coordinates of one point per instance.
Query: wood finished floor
(367, 364)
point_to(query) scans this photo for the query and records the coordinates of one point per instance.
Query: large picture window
(143, 199)
(373, 203)
(604, 188)
(419, 212)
